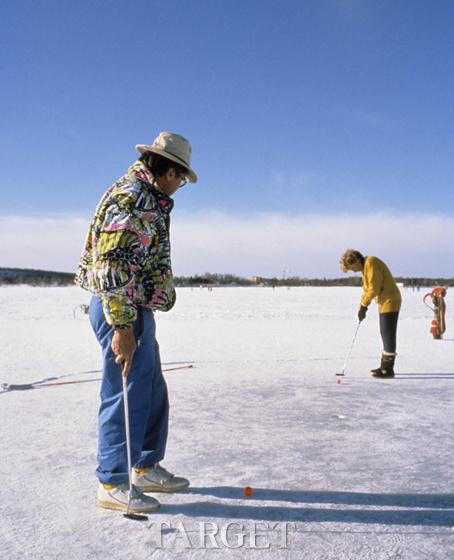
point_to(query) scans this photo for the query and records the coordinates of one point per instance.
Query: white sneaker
(157, 479)
(116, 497)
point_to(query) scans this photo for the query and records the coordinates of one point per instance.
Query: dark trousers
(388, 330)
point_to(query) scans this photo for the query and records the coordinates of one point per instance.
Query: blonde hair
(350, 257)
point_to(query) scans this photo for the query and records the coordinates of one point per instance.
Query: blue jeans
(147, 399)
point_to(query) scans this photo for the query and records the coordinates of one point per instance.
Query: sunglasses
(182, 176)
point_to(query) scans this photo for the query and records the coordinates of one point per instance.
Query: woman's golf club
(349, 352)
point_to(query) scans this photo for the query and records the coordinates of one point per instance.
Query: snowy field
(362, 469)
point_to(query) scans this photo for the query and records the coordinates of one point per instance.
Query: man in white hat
(126, 265)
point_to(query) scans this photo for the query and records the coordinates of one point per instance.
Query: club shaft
(351, 348)
(128, 442)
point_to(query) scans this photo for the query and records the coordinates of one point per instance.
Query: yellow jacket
(379, 284)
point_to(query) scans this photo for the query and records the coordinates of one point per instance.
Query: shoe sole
(154, 488)
(120, 507)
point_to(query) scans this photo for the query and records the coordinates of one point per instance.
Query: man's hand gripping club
(123, 346)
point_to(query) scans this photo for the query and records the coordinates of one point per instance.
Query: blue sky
(295, 109)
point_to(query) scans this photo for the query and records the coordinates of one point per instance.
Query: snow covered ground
(361, 469)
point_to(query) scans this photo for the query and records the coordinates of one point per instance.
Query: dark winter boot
(386, 369)
(377, 371)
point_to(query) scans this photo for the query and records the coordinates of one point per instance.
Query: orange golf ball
(248, 491)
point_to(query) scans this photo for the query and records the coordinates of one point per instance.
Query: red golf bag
(438, 325)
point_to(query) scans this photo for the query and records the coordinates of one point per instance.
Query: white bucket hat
(174, 147)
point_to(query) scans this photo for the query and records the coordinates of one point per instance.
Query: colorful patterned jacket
(126, 258)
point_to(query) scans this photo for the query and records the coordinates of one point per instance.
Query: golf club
(128, 515)
(342, 373)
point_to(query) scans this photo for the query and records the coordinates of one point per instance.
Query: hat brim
(191, 177)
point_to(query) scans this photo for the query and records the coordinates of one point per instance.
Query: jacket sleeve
(373, 282)
(117, 257)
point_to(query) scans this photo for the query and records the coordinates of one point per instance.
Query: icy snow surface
(361, 469)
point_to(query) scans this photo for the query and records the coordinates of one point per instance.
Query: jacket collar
(143, 174)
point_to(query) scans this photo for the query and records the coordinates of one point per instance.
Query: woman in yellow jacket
(378, 284)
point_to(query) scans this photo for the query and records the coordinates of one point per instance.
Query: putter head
(341, 373)
(135, 516)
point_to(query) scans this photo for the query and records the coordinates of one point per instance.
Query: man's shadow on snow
(435, 510)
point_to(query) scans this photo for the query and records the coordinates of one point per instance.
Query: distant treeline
(209, 279)
(10, 276)
(232, 280)
(33, 277)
